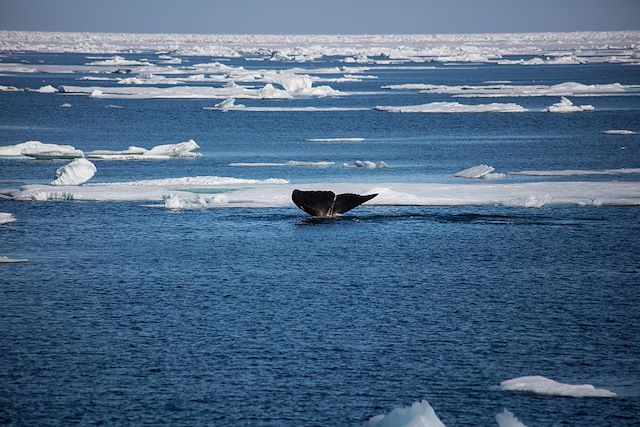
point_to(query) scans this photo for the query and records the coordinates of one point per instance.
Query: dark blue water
(129, 315)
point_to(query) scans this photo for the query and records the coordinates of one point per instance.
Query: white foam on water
(76, 172)
(6, 218)
(619, 132)
(419, 414)
(334, 139)
(288, 163)
(454, 107)
(566, 106)
(541, 385)
(507, 419)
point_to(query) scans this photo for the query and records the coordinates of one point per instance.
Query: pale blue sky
(320, 16)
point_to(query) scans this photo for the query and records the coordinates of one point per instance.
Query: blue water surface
(131, 315)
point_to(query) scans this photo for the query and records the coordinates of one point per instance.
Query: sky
(320, 16)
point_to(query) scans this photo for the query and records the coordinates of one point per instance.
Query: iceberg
(541, 385)
(76, 172)
(39, 150)
(6, 218)
(420, 414)
(507, 419)
(566, 106)
(475, 172)
(454, 107)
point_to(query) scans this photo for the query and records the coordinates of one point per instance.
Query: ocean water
(131, 315)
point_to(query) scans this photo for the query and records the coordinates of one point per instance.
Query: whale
(327, 203)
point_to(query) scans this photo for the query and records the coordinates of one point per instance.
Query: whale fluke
(326, 203)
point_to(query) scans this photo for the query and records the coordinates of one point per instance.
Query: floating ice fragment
(507, 419)
(7, 260)
(420, 414)
(66, 105)
(619, 132)
(367, 164)
(175, 202)
(182, 149)
(38, 150)
(475, 172)
(76, 172)
(6, 218)
(541, 385)
(288, 163)
(159, 152)
(119, 61)
(228, 104)
(96, 93)
(9, 89)
(454, 107)
(566, 106)
(47, 89)
(334, 139)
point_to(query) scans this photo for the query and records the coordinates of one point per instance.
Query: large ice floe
(39, 150)
(566, 106)
(420, 414)
(6, 218)
(76, 172)
(507, 419)
(511, 90)
(275, 193)
(454, 107)
(159, 152)
(577, 172)
(541, 385)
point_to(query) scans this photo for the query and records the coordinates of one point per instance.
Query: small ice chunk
(420, 414)
(181, 149)
(541, 385)
(475, 172)
(334, 139)
(228, 104)
(619, 132)
(7, 260)
(76, 172)
(47, 89)
(507, 419)
(367, 164)
(96, 93)
(6, 218)
(66, 105)
(566, 106)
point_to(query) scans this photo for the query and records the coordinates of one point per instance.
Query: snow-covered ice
(454, 107)
(619, 132)
(76, 172)
(566, 106)
(334, 139)
(475, 172)
(541, 385)
(6, 218)
(159, 152)
(39, 150)
(507, 419)
(420, 414)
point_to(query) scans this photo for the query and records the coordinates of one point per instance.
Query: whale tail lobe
(326, 203)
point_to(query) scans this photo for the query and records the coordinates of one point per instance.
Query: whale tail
(326, 203)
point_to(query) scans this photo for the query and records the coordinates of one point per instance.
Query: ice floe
(541, 385)
(420, 414)
(39, 150)
(47, 89)
(288, 163)
(509, 90)
(619, 132)
(174, 202)
(577, 172)
(66, 105)
(454, 107)
(366, 164)
(334, 139)
(180, 92)
(507, 419)
(6, 218)
(7, 260)
(475, 172)
(76, 172)
(240, 107)
(159, 152)
(275, 192)
(119, 61)
(566, 106)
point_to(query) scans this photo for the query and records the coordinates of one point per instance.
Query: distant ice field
(186, 288)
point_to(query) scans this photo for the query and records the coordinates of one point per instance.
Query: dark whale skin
(326, 203)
